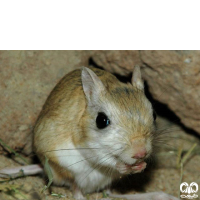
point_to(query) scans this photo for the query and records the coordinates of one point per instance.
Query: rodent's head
(119, 120)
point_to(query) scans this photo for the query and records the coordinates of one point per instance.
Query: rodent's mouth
(136, 162)
(125, 168)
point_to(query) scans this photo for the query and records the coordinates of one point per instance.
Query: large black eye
(102, 120)
(154, 115)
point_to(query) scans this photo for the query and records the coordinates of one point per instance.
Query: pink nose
(140, 154)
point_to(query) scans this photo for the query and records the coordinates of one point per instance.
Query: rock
(26, 79)
(119, 62)
(173, 78)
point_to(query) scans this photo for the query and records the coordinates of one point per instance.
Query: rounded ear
(137, 78)
(92, 85)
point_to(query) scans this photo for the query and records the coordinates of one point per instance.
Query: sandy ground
(161, 174)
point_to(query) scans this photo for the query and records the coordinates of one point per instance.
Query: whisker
(64, 169)
(69, 149)
(99, 164)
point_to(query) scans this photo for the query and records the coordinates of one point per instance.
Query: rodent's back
(69, 90)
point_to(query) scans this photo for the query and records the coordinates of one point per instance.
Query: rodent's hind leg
(146, 196)
(77, 193)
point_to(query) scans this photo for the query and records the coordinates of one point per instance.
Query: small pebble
(23, 127)
(187, 60)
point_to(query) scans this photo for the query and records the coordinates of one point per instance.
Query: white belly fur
(87, 178)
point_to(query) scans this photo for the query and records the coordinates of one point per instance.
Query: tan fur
(65, 105)
(64, 116)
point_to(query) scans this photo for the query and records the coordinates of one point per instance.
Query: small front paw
(139, 167)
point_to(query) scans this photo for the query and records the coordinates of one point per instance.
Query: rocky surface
(26, 79)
